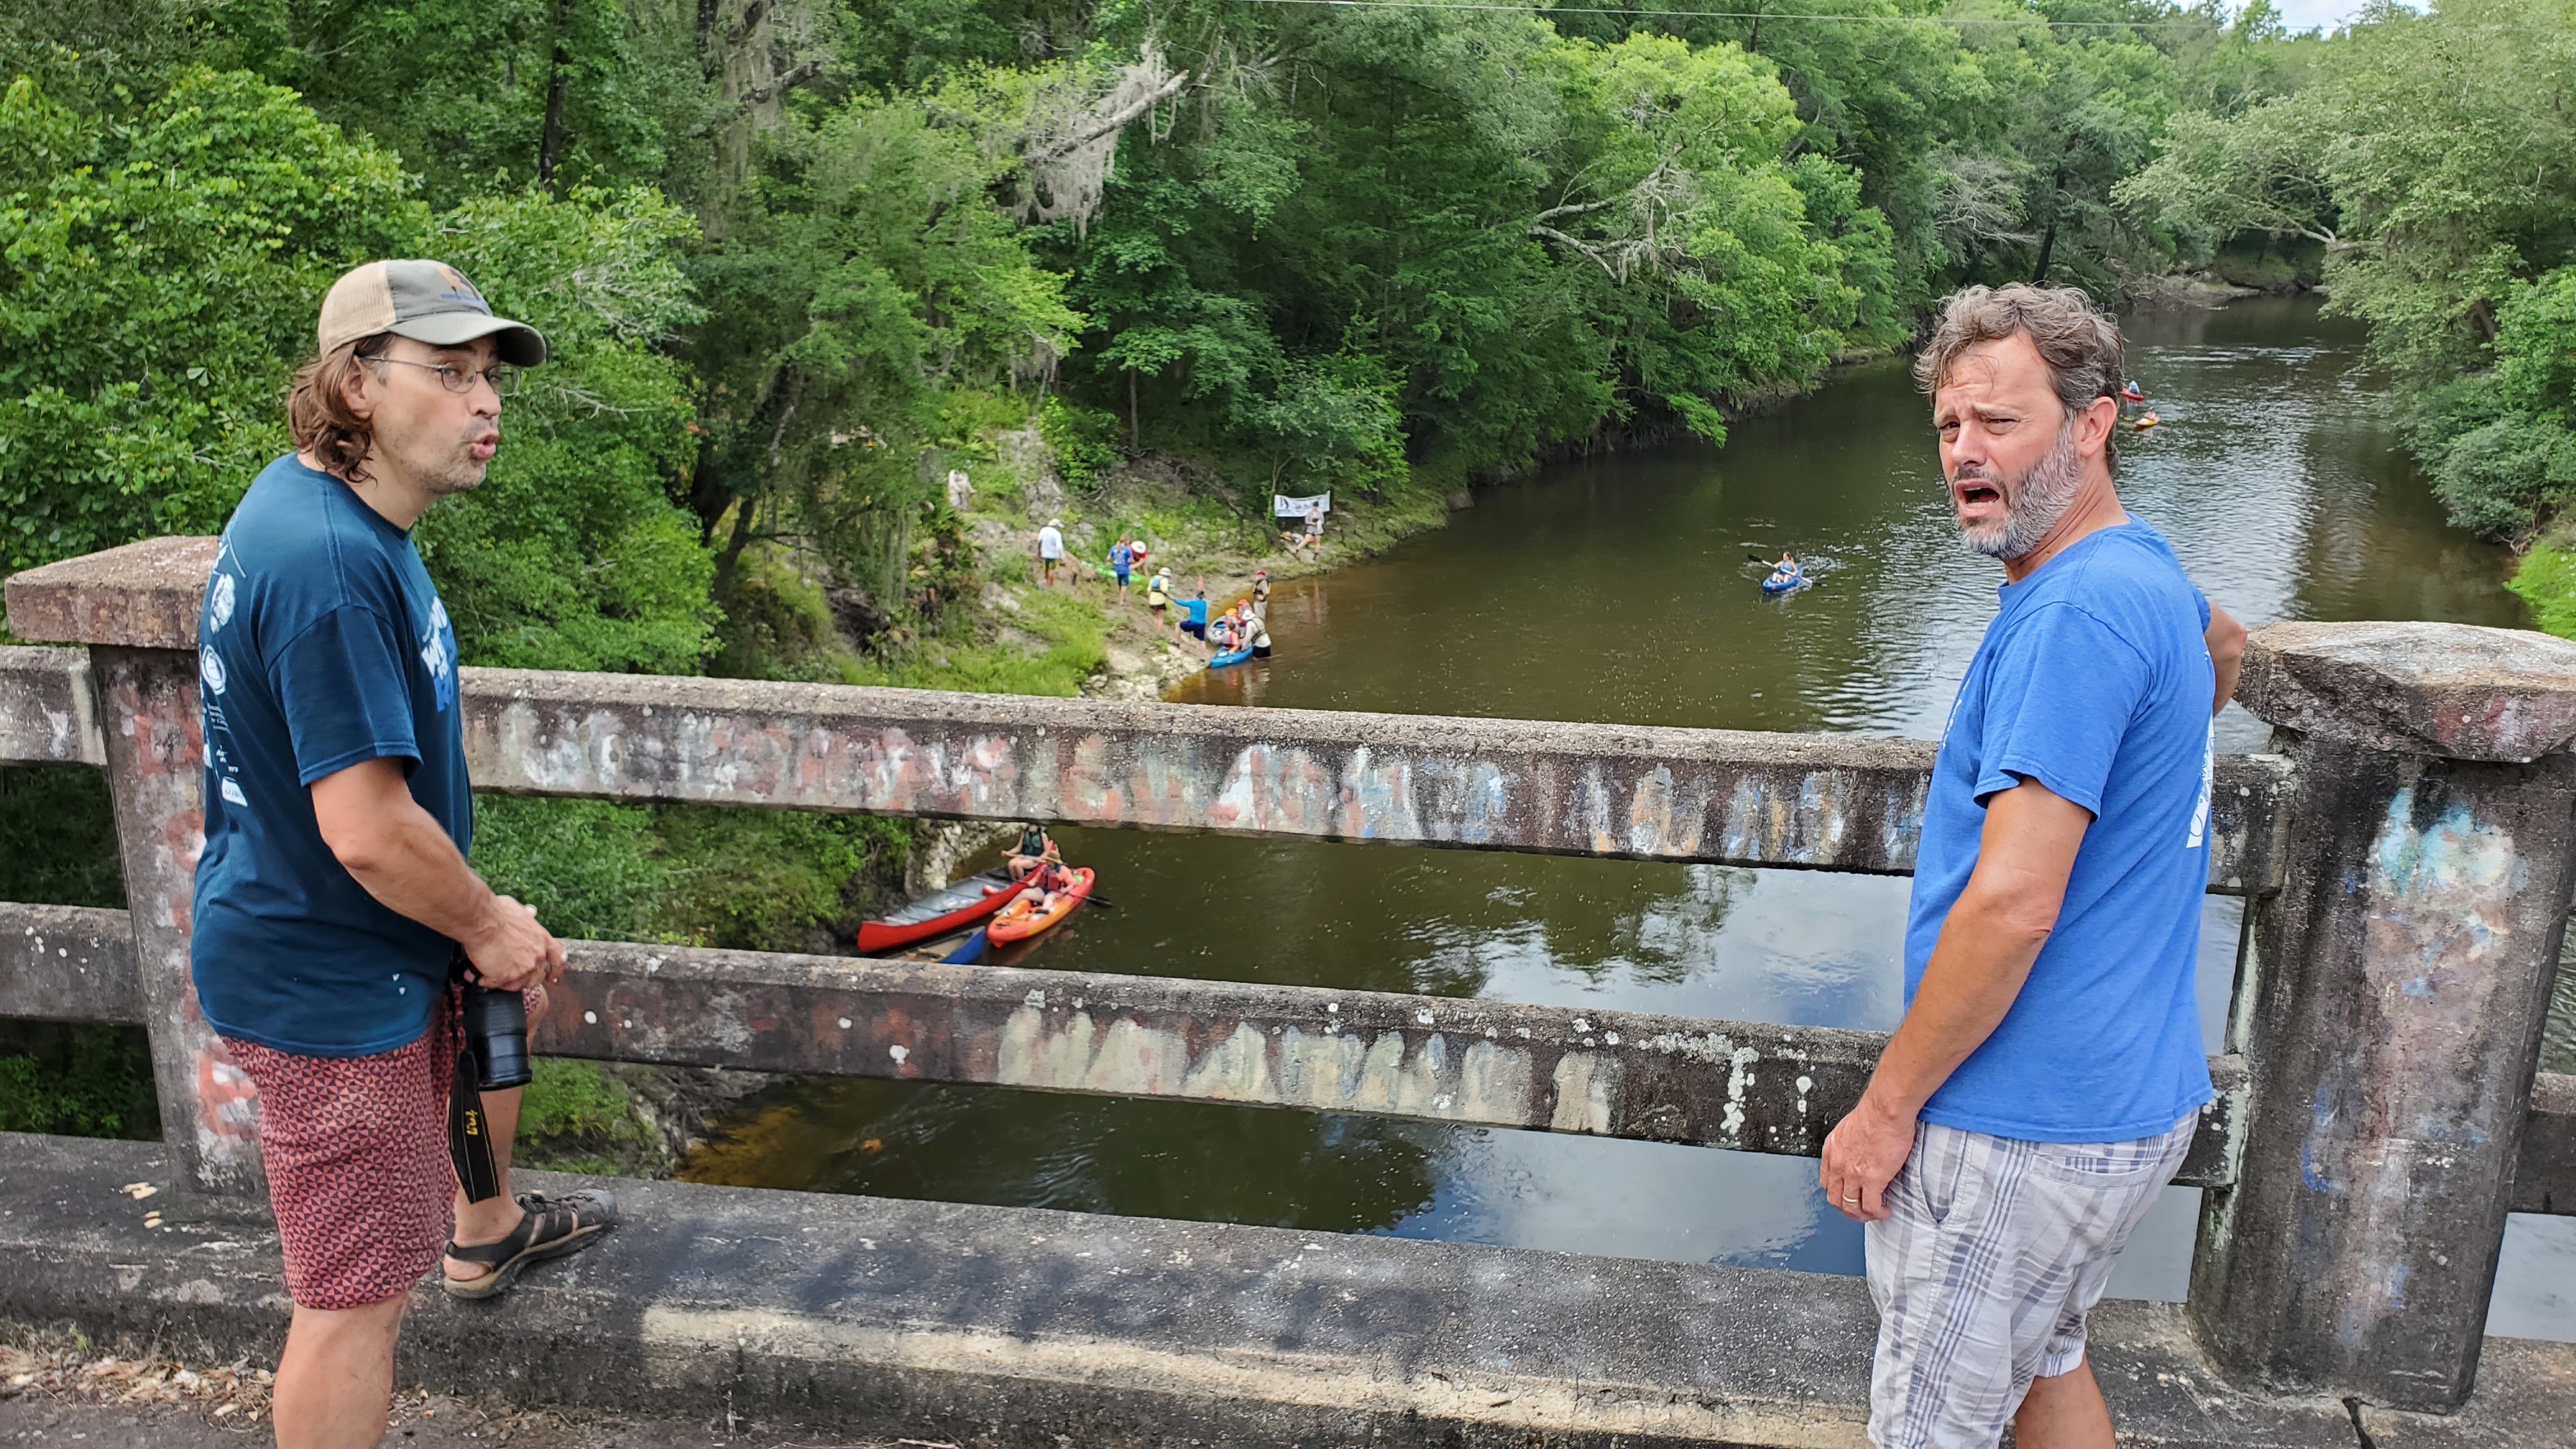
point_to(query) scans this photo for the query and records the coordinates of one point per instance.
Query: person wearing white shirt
(1050, 549)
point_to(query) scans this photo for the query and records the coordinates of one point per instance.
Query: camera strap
(469, 1133)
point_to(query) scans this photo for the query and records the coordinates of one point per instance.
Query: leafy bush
(2547, 581)
(159, 283)
(1079, 437)
(773, 880)
(57, 837)
(590, 868)
(572, 555)
(2498, 477)
(578, 1117)
(87, 1081)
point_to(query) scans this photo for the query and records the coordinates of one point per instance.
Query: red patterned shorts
(358, 1176)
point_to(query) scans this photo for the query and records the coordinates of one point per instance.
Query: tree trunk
(558, 79)
(737, 47)
(728, 560)
(2048, 238)
(1135, 430)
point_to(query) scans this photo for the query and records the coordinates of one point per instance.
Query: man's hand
(1863, 1154)
(511, 952)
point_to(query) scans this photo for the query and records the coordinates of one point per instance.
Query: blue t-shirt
(321, 644)
(1121, 557)
(2095, 681)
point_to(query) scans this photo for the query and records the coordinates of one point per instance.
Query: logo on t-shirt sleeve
(2208, 778)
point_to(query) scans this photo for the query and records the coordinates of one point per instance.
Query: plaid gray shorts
(1993, 1253)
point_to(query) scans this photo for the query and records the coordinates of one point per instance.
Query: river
(1618, 589)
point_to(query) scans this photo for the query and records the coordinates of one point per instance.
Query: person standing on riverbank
(2049, 1073)
(1158, 600)
(1261, 594)
(1050, 550)
(333, 894)
(1194, 614)
(1121, 559)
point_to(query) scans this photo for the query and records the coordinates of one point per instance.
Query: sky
(2309, 14)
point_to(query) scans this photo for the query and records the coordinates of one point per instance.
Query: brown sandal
(552, 1228)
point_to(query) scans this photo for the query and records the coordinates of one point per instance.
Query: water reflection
(1621, 590)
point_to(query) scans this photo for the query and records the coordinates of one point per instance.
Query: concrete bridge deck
(1023, 1327)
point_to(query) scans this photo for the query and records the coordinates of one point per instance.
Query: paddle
(1766, 563)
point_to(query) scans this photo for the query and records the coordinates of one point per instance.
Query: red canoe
(938, 913)
(1022, 918)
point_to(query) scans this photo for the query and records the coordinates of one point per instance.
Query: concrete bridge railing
(2406, 857)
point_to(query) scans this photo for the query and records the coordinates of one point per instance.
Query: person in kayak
(1035, 852)
(1046, 887)
(1786, 569)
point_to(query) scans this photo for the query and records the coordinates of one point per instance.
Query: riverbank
(1012, 634)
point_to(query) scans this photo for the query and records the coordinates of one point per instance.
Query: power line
(1662, 14)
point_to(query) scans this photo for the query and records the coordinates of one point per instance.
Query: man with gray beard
(2049, 1072)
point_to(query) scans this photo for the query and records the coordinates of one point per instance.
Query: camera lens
(496, 1030)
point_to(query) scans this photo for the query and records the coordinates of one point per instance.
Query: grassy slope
(2547, 581)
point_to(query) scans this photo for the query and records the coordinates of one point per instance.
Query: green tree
(572, 555)
(158, 287)
(867, 271)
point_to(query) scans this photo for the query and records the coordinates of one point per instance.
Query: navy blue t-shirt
(322, 644)
(2095, 681)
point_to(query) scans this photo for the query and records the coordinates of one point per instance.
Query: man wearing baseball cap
(333, 894)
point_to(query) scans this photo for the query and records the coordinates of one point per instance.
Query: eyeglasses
(503, 377)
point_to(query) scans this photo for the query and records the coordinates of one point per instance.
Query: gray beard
(2033, 504)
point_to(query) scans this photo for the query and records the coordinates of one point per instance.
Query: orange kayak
(1024, 918)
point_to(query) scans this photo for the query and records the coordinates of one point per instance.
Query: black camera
(496, 1032)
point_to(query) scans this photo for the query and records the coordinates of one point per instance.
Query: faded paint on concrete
(2393, 1024)
(46, 713)
(1721, 796)
(155, 761)
(2454, 691)
(1586, 1085)
(1816, 801)
(2383, 1120)
(1758, 1088)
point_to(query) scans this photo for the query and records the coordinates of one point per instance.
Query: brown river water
(1618, 589)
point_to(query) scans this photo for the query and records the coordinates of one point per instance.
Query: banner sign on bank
(1283, 506)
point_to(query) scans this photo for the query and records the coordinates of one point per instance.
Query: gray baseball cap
(425, 301)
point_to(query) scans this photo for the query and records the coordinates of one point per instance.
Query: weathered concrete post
(136, 607)
(2393, 1002)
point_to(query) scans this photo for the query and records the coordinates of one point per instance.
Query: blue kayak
(1231, 656)
(1783, 580)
